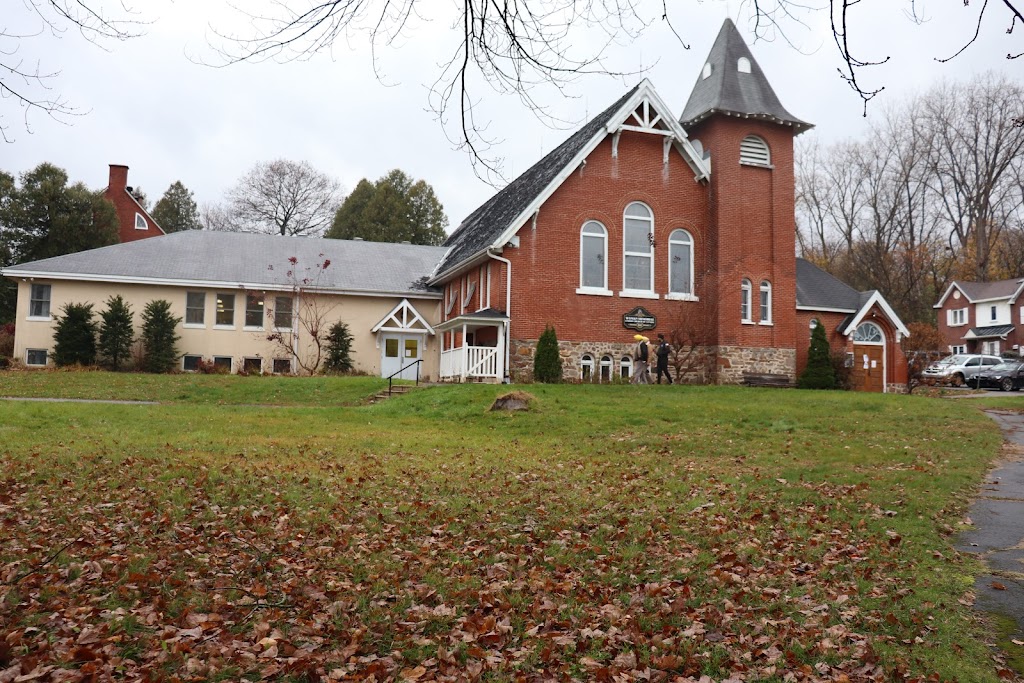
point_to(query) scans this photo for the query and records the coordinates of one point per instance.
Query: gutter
(508, 309)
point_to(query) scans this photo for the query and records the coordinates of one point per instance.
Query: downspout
(508, 310)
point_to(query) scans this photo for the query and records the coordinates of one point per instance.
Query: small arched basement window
(754, 151)
(868, 333)
(606, 369)
(625, 367)
(587, 368)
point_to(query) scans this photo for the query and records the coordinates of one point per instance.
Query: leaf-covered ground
(612, 533)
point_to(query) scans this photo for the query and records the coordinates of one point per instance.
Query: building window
(638, 249)
(706, 72)
(191, 363)
(593, 256)
(745, 288)
(743, 65)
(766, 302)
(140, 222)
(992, 313)
(606, 368)
(754, 151)
(991, 347)
(680, 262)
(254, 311)
(252, 366)
(956, 316)
(195, 308)
(625, 367)
(222, 362)
(587, 368)
(283, 312)
(282, 366)
(869, 333)
(225, 310)
(39, 304)
(962, 348)
(35, 357)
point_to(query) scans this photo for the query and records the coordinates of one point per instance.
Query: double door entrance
(869, 367)
(398, 351)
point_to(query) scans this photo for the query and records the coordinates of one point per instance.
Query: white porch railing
(470, 361)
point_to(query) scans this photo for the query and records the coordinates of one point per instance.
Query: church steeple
(732, 83)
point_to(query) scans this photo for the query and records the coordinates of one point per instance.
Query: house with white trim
(982, 317)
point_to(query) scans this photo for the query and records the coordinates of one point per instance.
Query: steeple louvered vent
(754, 151)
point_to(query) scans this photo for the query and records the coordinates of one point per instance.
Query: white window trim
(145, 223)
(195, 326)
(39, 319)
(747, 161)
(649, 255)
(231, 362)
(291, 318)
(584, 289)
(248, 358)
(49, 304)
(746, 301)
(671, 294)
(761, 290)
(958, 348)
(594, 292)
(682, 297)
(470, 291)
(189, 355)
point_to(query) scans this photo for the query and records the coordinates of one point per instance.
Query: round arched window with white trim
(868, 333)
(587, 368)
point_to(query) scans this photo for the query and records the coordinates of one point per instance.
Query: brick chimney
(118, 177)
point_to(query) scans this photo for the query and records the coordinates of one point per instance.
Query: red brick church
(645, 221)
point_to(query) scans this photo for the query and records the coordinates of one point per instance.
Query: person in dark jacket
(662, 353)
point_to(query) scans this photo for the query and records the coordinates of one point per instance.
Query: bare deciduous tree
(302, 318)
(279, 198)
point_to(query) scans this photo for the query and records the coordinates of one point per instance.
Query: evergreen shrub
(819, 373)
(159, 341)
(74, 336)
(547, 362)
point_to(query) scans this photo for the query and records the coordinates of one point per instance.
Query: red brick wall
(895, 360)
(127, 207)
(953, 336)
(754, 210)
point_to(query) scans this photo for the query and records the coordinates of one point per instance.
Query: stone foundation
(733, 361)
(896, 388)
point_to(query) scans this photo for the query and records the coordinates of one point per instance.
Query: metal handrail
(390, 377)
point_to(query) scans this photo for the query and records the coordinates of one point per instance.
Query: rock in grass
(514, 400)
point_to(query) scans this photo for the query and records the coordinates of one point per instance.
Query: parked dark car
(1007, 376)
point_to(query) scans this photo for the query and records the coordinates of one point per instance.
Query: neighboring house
(233, 290)
(637, 222)
(982, 317)
(135, 222)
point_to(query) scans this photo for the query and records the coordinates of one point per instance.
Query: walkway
(998, 533)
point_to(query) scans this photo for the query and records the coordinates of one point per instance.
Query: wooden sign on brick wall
(639, 319)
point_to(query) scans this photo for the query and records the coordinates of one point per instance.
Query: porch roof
(989, 332)
(488, 316)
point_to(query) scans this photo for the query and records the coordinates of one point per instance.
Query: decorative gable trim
(949, 290)
(878, 299)
(403, 318)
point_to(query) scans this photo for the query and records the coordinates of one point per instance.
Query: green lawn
(766, 535)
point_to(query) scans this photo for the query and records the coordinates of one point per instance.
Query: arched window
(766, 302)
(140, 222)
(638, 250)
(743, 65)
(680, 262)
(706, 71)
(745, 288)
(754, 151)
(593, 256)
(606, 368)
(625, 367)
(868, 333)
(587, 368)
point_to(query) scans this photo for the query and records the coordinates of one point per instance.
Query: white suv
(960, 368)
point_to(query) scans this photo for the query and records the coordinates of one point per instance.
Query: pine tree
(75, 336)
(339, 349)
(547, 363)
(819, 373)
(116, 333)
(177, 210)
(158, 338)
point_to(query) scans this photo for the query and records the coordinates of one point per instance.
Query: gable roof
(505, 211)
(198, 258)
(818, 290)
(727, 90)
(985, 291)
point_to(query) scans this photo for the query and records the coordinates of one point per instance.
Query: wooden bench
(755, 379)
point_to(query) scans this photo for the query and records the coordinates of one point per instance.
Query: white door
(399, 350)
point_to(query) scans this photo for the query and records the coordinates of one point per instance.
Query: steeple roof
(724, 89)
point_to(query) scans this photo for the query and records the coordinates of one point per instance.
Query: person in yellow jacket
(641, 369)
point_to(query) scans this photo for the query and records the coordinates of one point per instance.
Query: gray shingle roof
(988, 332)
(817, 289)
(980, 291)
(491, 219)
(728, 90)
(246, 259)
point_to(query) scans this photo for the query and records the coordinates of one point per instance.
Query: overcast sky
(151, 104)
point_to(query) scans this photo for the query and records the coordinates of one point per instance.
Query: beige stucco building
(249, 301)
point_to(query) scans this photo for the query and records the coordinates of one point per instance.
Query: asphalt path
(997, 536)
